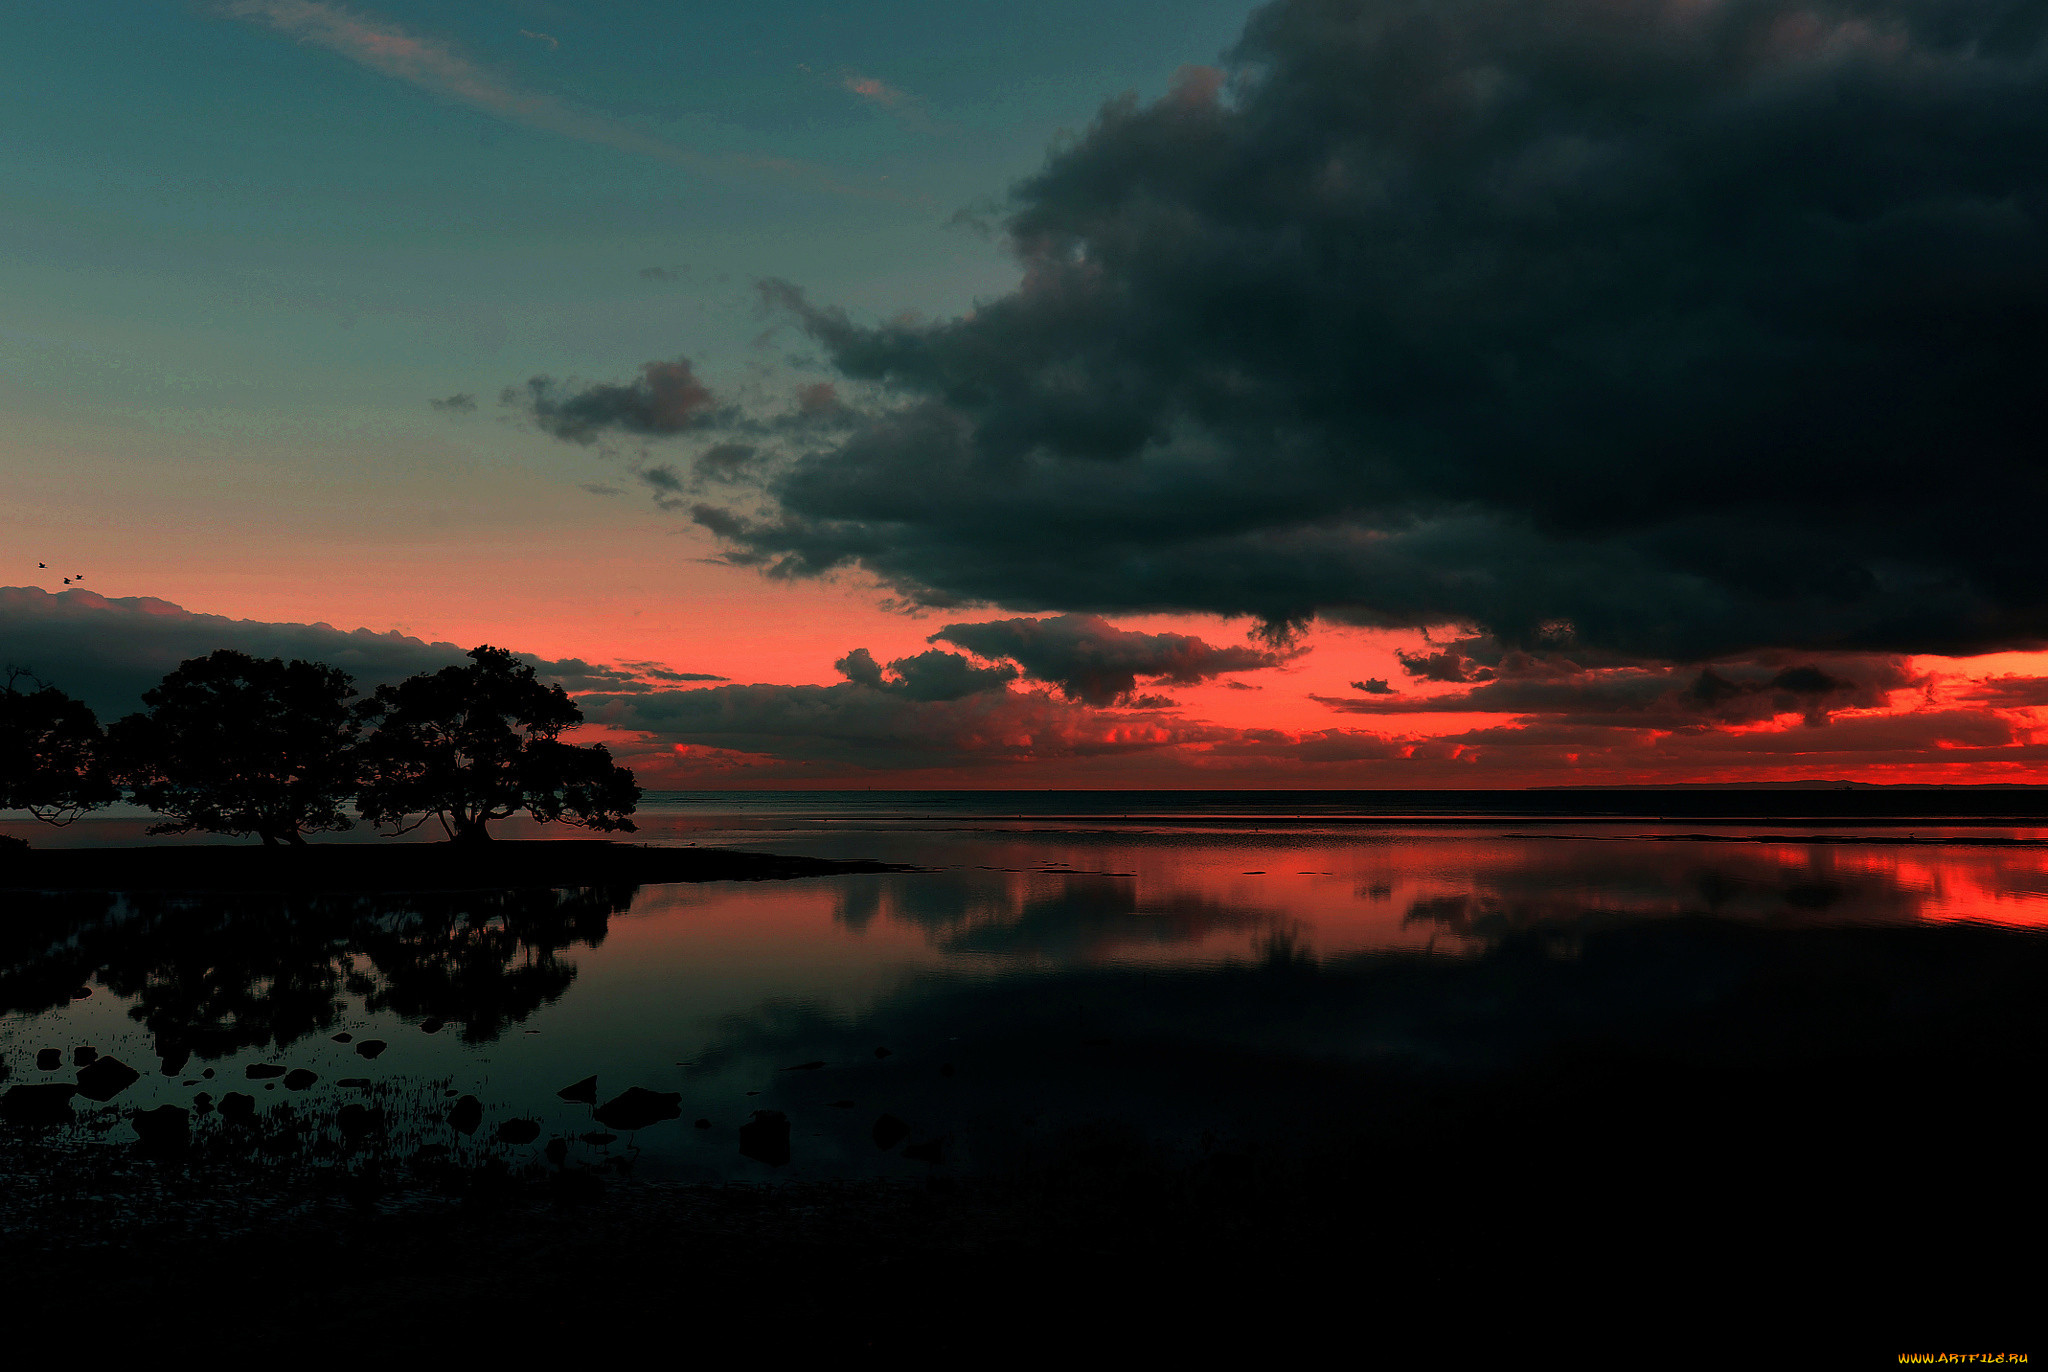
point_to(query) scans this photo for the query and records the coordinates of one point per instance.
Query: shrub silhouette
(232, 744)
(468, 745)
(52, 754)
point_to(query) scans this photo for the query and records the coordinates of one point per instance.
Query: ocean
(1177, 964)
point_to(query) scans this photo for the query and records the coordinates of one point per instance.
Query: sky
(1329, 393)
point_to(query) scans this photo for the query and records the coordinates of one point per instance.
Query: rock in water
(637, 1107)
(83, 1055)
(263, 1071)
(49, 1060)
(890, 1131)
(299, 1078)
(432, 1026)
(518, 1131)
(202, 1104)
(582, 1092)
(557, 1151)
(164, 1130)
(467, 1115)
(237, 1108)
(344, 1038)
(765, 1138)
(370, 1048)
(42, 1104)
(106, 1078)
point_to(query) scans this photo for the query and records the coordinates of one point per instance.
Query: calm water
(1177, 965)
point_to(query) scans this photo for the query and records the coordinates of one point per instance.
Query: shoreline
(498, 865)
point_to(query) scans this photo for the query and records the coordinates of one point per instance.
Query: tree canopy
(232, 744)
(51, 754)
(472, 744)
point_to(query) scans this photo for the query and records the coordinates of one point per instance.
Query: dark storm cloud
(722, 461)
(870, 723)
(1685, 329)
(2008, 692)
(1446, 664)
(107, 652)
(933, 675)
(1092, 660)
(661, 477)
(1647, 697)
(1373, 686)
(667, 399)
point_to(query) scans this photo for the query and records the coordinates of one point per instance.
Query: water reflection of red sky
(1031, 900)
(1038, 895)
(1997, 886)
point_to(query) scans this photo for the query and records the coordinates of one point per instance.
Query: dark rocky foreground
(502, 864)
(1689, 1223)
(1826, 1193)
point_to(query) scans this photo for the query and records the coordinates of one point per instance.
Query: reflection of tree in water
(43, 946)
(217, 973)
(1080, 915)
(485, 959)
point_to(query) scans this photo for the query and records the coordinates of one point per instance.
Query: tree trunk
(469, 832)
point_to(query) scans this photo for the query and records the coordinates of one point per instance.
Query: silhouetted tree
(468, 745)
(233, 744)
(51, 753)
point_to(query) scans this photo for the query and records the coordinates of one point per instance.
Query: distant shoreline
(498, 865)
(1817, 801)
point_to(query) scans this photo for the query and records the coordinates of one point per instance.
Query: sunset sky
(1334, 393)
